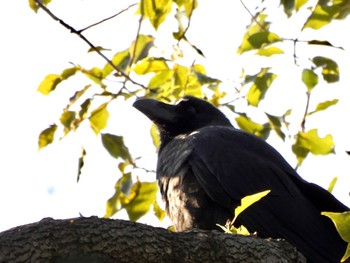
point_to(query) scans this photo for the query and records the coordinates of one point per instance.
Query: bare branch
(108, 18)
(92, 46)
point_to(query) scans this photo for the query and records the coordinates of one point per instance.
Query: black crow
(206, 166)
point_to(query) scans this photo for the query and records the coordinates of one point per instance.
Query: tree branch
(106, 240)
(92, 46)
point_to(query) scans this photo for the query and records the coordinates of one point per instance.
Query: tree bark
(95, 239)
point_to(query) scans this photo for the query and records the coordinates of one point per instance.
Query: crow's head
(188, 115)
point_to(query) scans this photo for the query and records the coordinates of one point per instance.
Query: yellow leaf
(47, 136)
(99, 118)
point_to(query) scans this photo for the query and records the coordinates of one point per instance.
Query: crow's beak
(156, 111)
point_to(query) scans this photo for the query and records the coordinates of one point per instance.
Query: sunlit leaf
(321, 16)
(99, 48)
(309, 78)
(245, 203)
(158, 211)
(115, 146)
(95, 74)
(299, 4)
(81, 163)
(67, 118)
(332, 184)
(269, 51)
(122, 188)
(324, 105)
(330, 69)
(155, 136)
(249, 200)
(188, 5)
(68, 72)
(144, 197)
(35, 7)
(342, 223)
(261, 82)
(259, 25)
(46, 137)
(245, 123)
(84, 107)
(99, 118)
(324, 13)
(322, 43)
(275, 124)
(288, 6)
(49, 83)
(258, 40)
(310, 141)
(155, 10)
(120, 60)
(143, 45)
(150, 65)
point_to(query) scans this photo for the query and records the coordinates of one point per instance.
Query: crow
(206, 166)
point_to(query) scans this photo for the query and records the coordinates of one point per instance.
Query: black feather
(206, 166)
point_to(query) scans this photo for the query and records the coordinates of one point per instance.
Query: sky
(34, 184)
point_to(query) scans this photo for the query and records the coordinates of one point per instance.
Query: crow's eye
(186, 107)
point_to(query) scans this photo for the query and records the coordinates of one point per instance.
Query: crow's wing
(230, 162)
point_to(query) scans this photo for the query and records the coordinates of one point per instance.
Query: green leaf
(155, 10)
(275, 124)
(68, 72)
(122, 188)
(46, 137)
(332, 184)
(307, 142)
(258, 25)
(342, 223)
(158, 211)
(245, 123)
(258, 40)
(67, 119)
(149, 65)
(262, 39)
(143, 45)
(261, 82)
(324, 105)
(95, 74)
(155, 136)
(269, 51)
(321, 16)
(81, 163)
(99, 48)
(84, 107)
(330, 69)
(115, 146)
(310, 79)
(120, 60)
(99, 118)
(324, 13)
(288, 6)
(144, 195)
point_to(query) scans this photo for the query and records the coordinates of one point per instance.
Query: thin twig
(108, 18)
(93, 47)
(308, 96)
(253, 16)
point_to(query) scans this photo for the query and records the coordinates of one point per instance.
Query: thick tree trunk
(105, 240)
